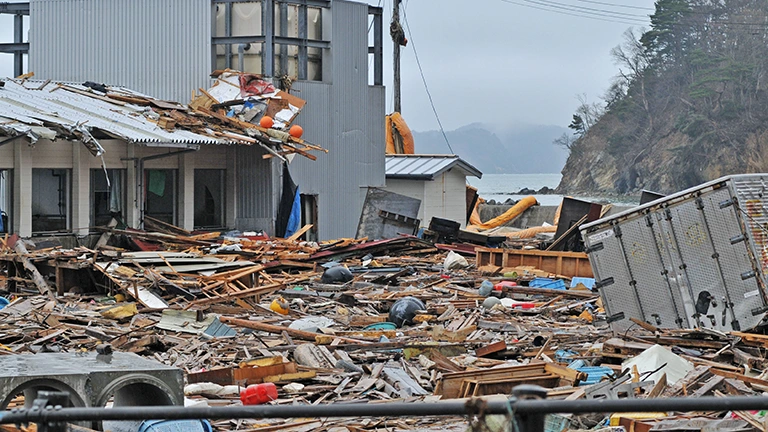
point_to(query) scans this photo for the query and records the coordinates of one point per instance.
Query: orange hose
(516, 210)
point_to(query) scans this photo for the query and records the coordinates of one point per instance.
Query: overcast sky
(495, 61)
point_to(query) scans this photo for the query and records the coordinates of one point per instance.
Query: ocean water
(500, 187)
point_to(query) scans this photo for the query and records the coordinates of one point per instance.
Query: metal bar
(312, 3)
(14, 48)
(268, 28)
(10, 140)
(18, 37)
(14, 8)
(223, 40)
(378, 46)
(228, 33)
(283, 7)
(303, 35)
(396, 409)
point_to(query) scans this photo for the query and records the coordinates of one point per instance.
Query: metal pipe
(241, 49)
(449, 408)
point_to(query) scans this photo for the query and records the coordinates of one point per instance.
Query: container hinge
(699, 203)
(735, 325)
(594, 248)
(759, 310)
(726, 203)
(667, 214)
(747, 275)
(683, 266)
(738, 239)
(664, 272)
(603, 283)
(715, 255)
(633, 283)
(615, 317)
(617, 230)
(657, 318)
(648, 221)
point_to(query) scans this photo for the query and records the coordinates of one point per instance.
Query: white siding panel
(52, 154)
(6, 156)
(211, 157)
(445, 197)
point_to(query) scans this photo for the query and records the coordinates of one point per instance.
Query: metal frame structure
(18, 47)
(268, 39)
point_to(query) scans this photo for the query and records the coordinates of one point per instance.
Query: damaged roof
(47, 109)
(91, 111)
(425, 167)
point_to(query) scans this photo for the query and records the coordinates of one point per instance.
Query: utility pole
(396, 31)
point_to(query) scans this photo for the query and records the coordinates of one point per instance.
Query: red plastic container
(258, 394)
(501, 285)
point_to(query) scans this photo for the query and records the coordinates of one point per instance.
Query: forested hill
(689, 105)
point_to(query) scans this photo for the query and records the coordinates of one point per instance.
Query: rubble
(201, 302)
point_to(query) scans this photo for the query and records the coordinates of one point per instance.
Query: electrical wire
(584, 8)
(424, 80)
(584, 11)
(617, 17)
(569, 14)
(617, 5)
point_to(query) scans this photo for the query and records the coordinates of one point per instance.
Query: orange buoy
(266, 122)
(296, 131)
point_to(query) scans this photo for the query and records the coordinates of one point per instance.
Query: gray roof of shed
(425, 167)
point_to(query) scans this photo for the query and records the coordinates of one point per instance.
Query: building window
(6, 201)
(160, 194)
(295, 38)
(107, 196)
(209, 198)
(51, 200)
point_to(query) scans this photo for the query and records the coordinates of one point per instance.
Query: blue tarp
(294, 220)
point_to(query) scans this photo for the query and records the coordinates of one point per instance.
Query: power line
(424, 80)
(584, 8)
(549, 6)
(569, 14)
(583, 11)
(617, 5)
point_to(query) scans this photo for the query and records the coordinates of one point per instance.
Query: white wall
(443, 197)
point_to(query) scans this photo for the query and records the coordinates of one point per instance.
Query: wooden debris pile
(232, 311)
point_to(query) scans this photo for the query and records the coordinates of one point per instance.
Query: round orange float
(296, 131)
(266, 122)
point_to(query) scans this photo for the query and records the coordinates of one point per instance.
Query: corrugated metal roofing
(35, 107)
(425, 167)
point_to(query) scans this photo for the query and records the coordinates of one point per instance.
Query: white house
(439, 181)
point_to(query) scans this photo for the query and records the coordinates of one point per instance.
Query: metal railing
(527, 407)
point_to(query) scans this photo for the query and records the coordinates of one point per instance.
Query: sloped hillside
(689, 105)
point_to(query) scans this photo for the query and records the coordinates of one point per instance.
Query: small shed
(439, 181)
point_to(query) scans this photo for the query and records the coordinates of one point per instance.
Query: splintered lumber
(276, 329)
(37, 278)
